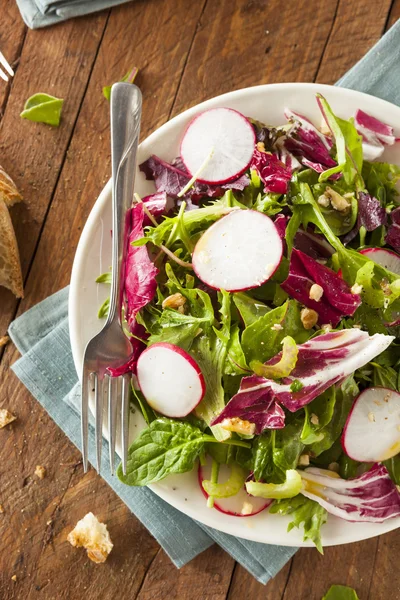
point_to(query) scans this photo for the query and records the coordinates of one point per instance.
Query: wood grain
(12, 36)
(186, 52)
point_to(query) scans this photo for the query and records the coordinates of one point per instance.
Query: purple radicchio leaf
(337, 300)
(306, 142)
(313, 244)
(393, 233)
(140, 272)
(375, 135)
(370, 212)
(156, 204)
(371, 497)
(137, 348)
(321, 362)
(272, 172)
(319, 168)
(172, 178)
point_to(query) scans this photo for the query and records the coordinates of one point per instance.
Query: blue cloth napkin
(41, 13)
(47, 370)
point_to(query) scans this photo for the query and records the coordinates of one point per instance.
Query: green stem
(213, 479)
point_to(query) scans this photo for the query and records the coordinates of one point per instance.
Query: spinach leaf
(165, 447)
(319, 414)
(304, 512)
(393, 466)
(43, 108)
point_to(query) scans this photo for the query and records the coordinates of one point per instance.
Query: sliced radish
(372, 430)
(170, 380)
(218, 145)
(240, 505)
(239, 252)
(385, 258)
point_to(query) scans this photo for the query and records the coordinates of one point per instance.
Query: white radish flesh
(240, 505)
(372, 430)
(170, 380)
(239, 252)
(218, 145)
(385, 258)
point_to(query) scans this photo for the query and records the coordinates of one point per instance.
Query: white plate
(93, 256)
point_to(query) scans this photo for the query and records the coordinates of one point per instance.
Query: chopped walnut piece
(304, 460)
(239, 426)
(247, 508)
(4, 340)
(337, 201)
(40, 472)
(371, 417)
(314, 419)
(316, 292)
(309, 318)
(324, 201)
(5, 417)
(356, 288)
(92, 535)
(175, 301)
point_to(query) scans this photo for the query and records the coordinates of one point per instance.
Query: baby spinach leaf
(43, 108)
(393, 466)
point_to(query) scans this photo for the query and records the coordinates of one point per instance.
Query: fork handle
(126, 110)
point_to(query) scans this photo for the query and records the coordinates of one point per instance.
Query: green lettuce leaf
(43, 108)
(340, 592)
(249, 309)
(304, 512)
(380, 180)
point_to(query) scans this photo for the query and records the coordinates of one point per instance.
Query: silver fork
(111, 347)
(6, 66)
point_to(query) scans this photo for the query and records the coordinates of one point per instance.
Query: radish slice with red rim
(170, 380)
(385, 258)
(218, 145)
(240, 505)
(372, 429)
(239, 252)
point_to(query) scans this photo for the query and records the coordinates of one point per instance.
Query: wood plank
(32, 153)
(394, 14)
(206, 577)
(244, 585)
(161, 56)
(12, 35)
(241, 43)
(386, 577)
(357, 27)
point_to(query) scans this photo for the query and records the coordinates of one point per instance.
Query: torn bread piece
(92, 535)
(6, 417)
(8, 189)
(10, 266)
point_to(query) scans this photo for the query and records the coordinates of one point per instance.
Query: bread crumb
(314, 419)
(14, 578)
(40, 472)
(92, 535)
(6, 417)
(316, 292)
(304, 460)
(4, 340)
(309, 318)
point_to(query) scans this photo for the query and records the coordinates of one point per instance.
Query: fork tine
(85, 417)
(98, 399)
(112, 417)
(6, 65)
(3, 75)
(125, 421)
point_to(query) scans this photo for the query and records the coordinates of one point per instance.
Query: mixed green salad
(262, 287)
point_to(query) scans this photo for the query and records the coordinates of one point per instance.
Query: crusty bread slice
(8, 189)
(10, 266)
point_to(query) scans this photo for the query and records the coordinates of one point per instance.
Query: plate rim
(73, 303)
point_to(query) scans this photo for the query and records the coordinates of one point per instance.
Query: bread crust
(8, 189)
(10, 266)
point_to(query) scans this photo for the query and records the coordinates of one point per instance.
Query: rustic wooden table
(187, 52)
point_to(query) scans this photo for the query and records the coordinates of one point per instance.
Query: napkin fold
(41, 13)
(46, 368)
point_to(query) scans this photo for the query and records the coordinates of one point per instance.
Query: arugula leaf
(304, 512)
(385, 377)
(380, 180)
(270, 204)
(148, 413)
(165, 447)
(340, 592)
(43, 108)
(249, 309)
(261, 342)
(128, 78)
(104, 278)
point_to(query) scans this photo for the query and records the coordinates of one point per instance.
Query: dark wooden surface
(187, 52)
